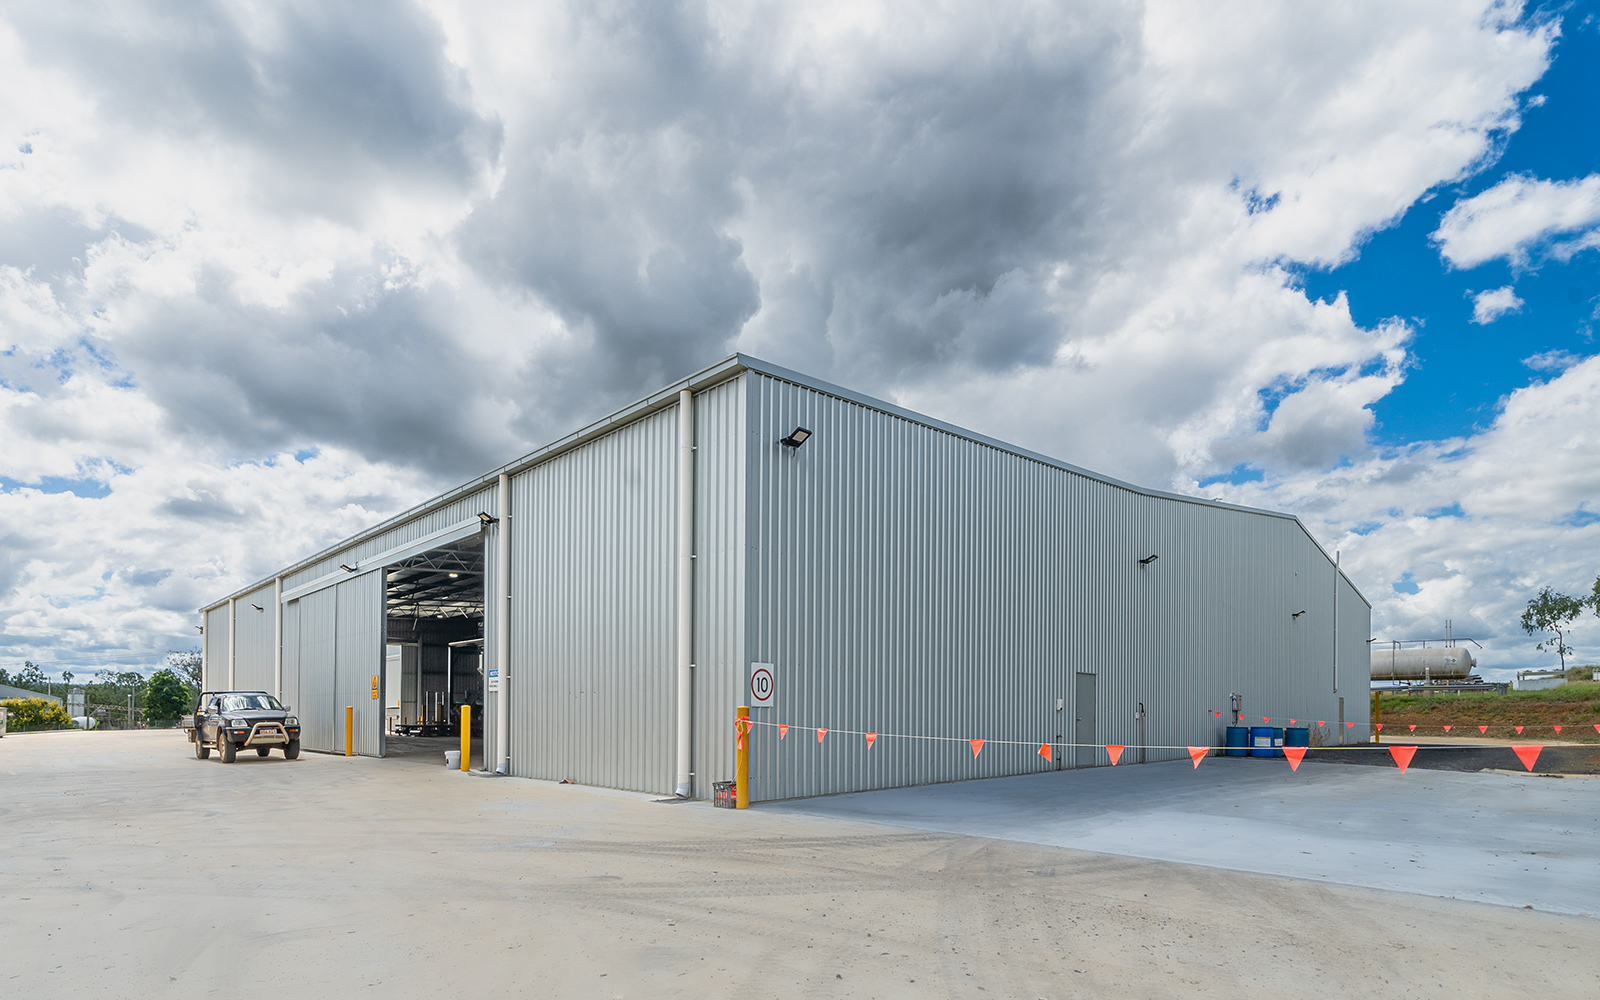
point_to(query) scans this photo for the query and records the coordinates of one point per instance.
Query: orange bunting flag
(871, 738)
(1597, 727)
(1044, 751)
(1402, 756)
(1291, 722)
(1558, 729)
(1197, 754)
(1528, 755)
(1448, 728)
(1320, 723)
(740, 744)
(1266, 718)
(783, 730)
(1412, 728)
(820, 734)
(1377, 725)
(1115, 753)
(1483, 729)
(1349, 725)
(976, 746)
(1519, 730)
(1295, 755)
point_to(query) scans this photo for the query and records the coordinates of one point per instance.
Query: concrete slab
(1512, 840)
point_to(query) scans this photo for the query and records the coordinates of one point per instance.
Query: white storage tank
(1441, 663)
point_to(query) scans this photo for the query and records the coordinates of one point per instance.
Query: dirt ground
(132, 869)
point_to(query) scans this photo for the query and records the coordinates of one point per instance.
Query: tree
(1553, 614)
(165, 699)
(35, 713)
(187, 666)
(30, 677)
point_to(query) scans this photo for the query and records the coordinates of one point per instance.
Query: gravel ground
(132, 870)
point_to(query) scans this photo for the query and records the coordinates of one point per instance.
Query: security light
(258, 607)
(200, 628)
(347, 569)
(1297, 614)
(486, 519)
(796, 438)
(1147, 560)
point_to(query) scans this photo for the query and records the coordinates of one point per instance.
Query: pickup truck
(230, 721)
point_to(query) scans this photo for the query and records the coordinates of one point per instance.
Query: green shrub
(35, 713)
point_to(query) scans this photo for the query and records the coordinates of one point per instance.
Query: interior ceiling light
(486, 519)
(796, 438)
(454, 575)
(1147, 560)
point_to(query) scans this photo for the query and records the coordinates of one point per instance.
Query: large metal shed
(901, 576)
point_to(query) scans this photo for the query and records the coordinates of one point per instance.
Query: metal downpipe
(277, 637)
(685, 589)
(502, 628)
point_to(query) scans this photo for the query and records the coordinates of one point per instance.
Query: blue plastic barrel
(1277, 742)
(1261, 741)
(1238, 741)
(1297, 737)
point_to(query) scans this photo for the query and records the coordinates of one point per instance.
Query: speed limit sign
(763, 685)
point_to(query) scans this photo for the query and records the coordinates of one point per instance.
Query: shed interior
(433, 657)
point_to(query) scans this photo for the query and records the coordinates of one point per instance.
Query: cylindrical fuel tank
(1441, 663)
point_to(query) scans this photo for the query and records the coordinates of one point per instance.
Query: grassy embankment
(1575, 707)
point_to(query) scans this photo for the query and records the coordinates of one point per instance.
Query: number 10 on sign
(763, 685)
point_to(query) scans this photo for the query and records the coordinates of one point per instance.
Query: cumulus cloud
(1519, 216)
(1496, 302)
(407, 243)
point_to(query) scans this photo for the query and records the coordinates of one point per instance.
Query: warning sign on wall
(491, 680)
(763, 685)
(374, 687)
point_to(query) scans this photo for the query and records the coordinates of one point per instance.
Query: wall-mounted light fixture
(486, 519)
(258, 607)
(201, 629)
(1147, 560)
(347, 569)
(796, 438)
(1297, 614)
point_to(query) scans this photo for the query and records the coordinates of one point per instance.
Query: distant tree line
(1552, 614)
(162, 697)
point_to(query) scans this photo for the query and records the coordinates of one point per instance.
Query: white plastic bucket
(452, 759)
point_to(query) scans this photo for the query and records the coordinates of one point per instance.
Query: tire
(291, 750)
(226, 748)
(201, 751)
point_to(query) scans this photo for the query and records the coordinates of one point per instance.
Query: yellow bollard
(466, 737)
(741, 756)
(349, 730)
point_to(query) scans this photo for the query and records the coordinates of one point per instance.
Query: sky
(271, 273)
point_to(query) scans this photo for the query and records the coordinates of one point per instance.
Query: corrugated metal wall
(592, 673)
(314, 622)
(459, 509)
(257, 634)
(907, 580)
(216, 648)
(358, 657)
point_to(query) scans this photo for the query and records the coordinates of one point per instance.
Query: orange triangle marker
(1044, 751)
(740, 744)
(1352, 725)
(820, 734)
(1483, 729)
(1597, 727)
(1266, 718)
(1377, 725)
(871, 738)
(1558, 729)
(1198, 754)
(1519, 730)
(1412, 728)
(1402, 756)
(1320, 723)
(783, 730)
(976, 746)
(1295, 755)
(1528, 755)
(1448, 728)
(1291, 722)
(1115, 753)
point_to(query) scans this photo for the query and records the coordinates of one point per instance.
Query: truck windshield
(250, 703)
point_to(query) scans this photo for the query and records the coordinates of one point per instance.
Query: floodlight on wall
(1147, 560)
(258, 607)
(1297, 614)
(796, 438)
(347, 569)
(486, 519)
(201, 629)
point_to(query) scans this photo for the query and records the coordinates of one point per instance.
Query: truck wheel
(227, 749)
(291, 750)
(201, 751)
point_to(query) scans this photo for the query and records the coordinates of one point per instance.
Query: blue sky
(1461, 370)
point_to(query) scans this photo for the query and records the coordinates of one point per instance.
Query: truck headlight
(238, 724)
(291, 721)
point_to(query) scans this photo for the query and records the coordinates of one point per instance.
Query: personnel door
(1083, 732)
